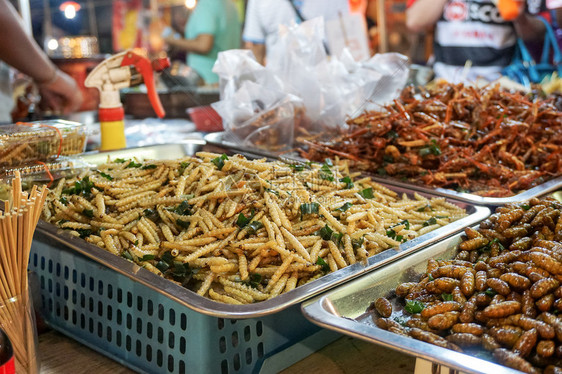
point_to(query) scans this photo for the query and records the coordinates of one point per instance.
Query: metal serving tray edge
(343, 309)
(203, 305)
(546, 187)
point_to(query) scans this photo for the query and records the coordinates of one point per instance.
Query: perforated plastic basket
(150, 332)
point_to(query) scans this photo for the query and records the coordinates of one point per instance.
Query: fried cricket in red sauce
(480, 140)
(507, 300)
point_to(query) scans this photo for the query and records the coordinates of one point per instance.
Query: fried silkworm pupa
(383, 307)
(526, 343)
(386, 323)
(418, 323)
(507, 335)
(480, 280)
(546, 348)
(463, 339)
(403, 289)
(471, 233)
(545, 303)
(451, 271)
(545, 330)
(499, 286)
(502, 309)
(440, 308)
(551, 369)
(512, 360)
(458, 296)
(443, 321)
(473, 244)
(516, 281)
(489, 343)
(522, 244)
(463, 255)
(442, 285)
(507, 219)
(467, 312)
(428, 337)
(467, 284)
(468, 328)
(543, 286)
(482, 300)
(546, 262)
(504, 258)
(431, 266)
(518, 231)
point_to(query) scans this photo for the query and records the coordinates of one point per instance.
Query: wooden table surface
(346, 355)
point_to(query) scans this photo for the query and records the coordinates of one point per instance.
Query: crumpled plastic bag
(300, 79)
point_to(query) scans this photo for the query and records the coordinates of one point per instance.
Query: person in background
(263, 18)
(472, 30)
(17, 49)
(213, 27)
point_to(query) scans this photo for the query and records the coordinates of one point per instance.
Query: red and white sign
(456, 11)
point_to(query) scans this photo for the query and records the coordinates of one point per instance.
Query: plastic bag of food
(330, 89)
(260, 117)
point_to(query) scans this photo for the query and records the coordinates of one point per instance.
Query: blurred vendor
(58, 91)
(213, 27)
(469, 30)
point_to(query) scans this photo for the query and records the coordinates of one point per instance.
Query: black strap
(297, 11)
(302, 19)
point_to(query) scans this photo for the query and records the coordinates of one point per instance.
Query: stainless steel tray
(343, 309)
(209, 307)
(549, 186)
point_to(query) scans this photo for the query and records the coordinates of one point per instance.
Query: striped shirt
(473, 30)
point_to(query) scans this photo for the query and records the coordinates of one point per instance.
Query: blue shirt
(220, 19)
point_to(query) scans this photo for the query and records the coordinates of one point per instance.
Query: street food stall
(319, 213)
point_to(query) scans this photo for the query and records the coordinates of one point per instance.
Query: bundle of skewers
(17, 224)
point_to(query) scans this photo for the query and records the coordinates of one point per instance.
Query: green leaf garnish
(357, 243)
(151, 214)
(490, 292)
(184, 209)
(367, 193)
(344, 207)
(525, 206)
(325, 232)
(133, 164)
(183, 224)
(325, 267)
(325, 173)
(254, 280)
(219, 161)
(146, 167)
(348, 182)
(119, 160)
(63, 200)
(242, 220)
(254, 226)
(182, 168)
(414, 306)
(88, 213)
(447, 297)
(81, 187)
(106, 176)
(309, 208)
(147, 257)
(429, 222)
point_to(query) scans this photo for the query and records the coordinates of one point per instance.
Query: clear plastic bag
(260, 117)
(299, 78)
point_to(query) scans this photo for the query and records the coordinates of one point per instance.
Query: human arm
(201, 44)
(20, 51)
(254, 34)
(258, 49)
(423, 14)
(529, 27)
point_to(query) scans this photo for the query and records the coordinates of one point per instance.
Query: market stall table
(59, 354)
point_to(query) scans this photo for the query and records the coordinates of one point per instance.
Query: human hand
(61, 94)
